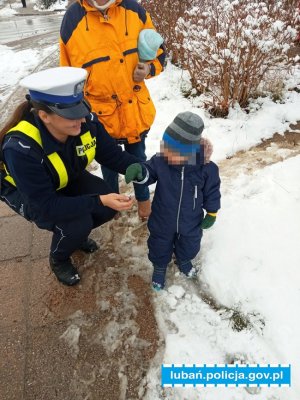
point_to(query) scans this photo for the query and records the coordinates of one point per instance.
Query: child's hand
(208, 221)
(134, 173)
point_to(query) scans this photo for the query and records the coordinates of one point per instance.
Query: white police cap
(60, 89)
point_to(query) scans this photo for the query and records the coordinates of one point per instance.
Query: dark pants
(161, 247)
(69, 234)
(111, 177)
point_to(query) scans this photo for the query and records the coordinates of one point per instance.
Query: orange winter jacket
(106, 46)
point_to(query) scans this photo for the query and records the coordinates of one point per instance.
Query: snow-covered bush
(45, 4)
(165, 15)
(230, 48)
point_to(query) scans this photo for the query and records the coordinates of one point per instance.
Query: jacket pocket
(108, 115)
(15, 201)
(195, 197)
(98, 83)
(146, 109)
(196, 192)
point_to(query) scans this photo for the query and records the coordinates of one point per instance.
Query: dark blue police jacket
(34, 181)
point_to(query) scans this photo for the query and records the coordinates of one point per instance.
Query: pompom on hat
(184, 133)
(148, 44)
(60, 89)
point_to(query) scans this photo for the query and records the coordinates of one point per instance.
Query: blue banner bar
(205, 375)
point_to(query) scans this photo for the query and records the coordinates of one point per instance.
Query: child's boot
(158, 277)
(186, 267)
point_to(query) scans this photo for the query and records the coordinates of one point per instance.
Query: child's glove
(209, 220)
(134, 173)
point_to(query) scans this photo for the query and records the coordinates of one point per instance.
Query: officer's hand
(208, 221)
(141, 71)
(134, 173)
(118, 202)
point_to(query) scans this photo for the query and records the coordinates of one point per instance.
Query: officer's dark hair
(20, 113)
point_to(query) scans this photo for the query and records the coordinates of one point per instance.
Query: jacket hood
(89, 7)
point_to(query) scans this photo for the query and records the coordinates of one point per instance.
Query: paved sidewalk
(93, 341)
(23, 251)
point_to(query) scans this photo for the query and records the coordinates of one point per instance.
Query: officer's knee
(103, 217)
(77, 227)
(112, 213)
(109, 215)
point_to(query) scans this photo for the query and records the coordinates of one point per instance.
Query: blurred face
(61, 128)
(172, 157)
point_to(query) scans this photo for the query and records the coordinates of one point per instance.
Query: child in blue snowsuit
(185, 186)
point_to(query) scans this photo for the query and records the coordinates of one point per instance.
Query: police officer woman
(46, 147)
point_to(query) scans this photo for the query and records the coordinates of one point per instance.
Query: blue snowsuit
(181, 194)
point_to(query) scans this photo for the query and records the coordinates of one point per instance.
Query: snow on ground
(17, 64)
(250, 262)
(238, 131)
(9, 9)
(7, 12)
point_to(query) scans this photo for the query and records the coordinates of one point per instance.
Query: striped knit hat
(184, 133)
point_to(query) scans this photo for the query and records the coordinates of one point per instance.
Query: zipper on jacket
(104, 14)
(180, 199)
(195, 196)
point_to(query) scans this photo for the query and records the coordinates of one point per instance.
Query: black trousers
(68, 235)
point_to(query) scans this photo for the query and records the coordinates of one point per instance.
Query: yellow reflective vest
(86, 150)
(106, 46)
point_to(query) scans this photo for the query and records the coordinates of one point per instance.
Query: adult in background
(45, 149)
(102, 36)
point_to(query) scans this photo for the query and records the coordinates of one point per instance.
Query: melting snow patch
(177, 291)
(71, 336)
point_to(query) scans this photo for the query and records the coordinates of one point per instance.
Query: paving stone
(50, 301)
(65, 363)
(12, 292)
(12, 362)
(49, 364)
(5, 211)
(15, 237)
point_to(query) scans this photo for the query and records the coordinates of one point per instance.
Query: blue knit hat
(148, 44)
(184, 133)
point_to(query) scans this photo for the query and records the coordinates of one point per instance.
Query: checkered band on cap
(63, 85)
(60, 89)
(186, 128)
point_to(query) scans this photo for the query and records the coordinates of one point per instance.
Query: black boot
(89, 246)
(65, 271)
